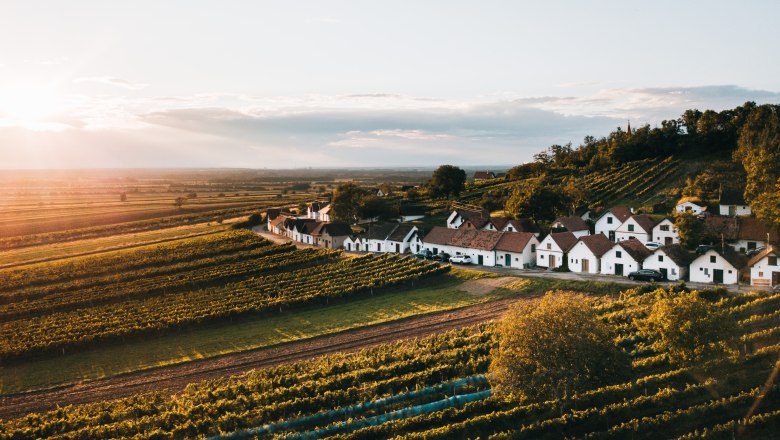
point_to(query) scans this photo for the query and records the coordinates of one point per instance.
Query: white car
(460, 259)
(653, 245)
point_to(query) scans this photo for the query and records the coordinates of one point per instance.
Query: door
(665, 272)
(775, 278)
(507, 260)
(550, 261)
(618, 269)
(585, 265)
(479, 260)
(732, 210)
(398, 248)
(668, 241)
(717, 276)
(611, 235)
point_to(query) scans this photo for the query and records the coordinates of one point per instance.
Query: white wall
(454, 220)
(673, 271)
(690, 207)
(702, 268)
(761, 274)
(661, 236)
(488, 257)
(740, 210)
(622, 233)
(581, 252)
(742, 245)
(603, 226)
(610, 259)
(543, 254)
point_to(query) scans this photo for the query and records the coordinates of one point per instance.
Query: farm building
(625, 256)
(486, 248)
(671, 260)
(314, 208)
(765, 268)
(732, 204)
(551, 252)
(638, 226)
(585, 256)
(461, 215)
(610, 220)
(717, 266)
(408, 213)
(387, 237)
(690, 204)
(574, 224)
(665, 232)
(484, 175)
(330, 235)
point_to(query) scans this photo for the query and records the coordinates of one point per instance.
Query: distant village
(617, 241)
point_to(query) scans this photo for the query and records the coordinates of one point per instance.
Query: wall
(673, 271)
(581, 252)
(701, 270)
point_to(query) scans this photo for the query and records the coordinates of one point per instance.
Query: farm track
(175, 377)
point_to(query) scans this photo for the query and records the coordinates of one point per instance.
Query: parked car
(460, 259)
(755, 251)
(703, 248)
(653, 245)
(441, 256)
(646, 275)
(424, 254)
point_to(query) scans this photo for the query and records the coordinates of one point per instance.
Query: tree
(371, 206)
(538, 200)
(690, 229)
(447, 180)
(689, 328)
(758, 149)
(553, 348)
(346, 199)
(179, 202)
(577, 193)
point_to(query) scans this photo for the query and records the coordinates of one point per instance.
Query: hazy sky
(418, 83)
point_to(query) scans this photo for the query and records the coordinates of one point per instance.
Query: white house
(313, 210)
(625, 257)
(574, 224)
(639, 227)
(551, 252)
(610, 220)
(672, 261)
(666, 233)
(716, 266)
(330, 235)
(486, 248)
(325, 213)
(694, 206)
(484, 175)
(408, 213)
(765, 268)
(387, 237)
(732, 204)
(518, 225)
(753, 233)
(460, 216)
(585, 255)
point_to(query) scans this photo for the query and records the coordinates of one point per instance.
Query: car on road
(646, 275)
(460, 259)
(441, 256)
(653, 245)
(425, 254)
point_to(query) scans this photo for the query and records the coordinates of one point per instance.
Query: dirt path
(176, 377)
(484, 286)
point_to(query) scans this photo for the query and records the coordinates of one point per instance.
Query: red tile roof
(514, 241)
(571, 223)
(564, 240)
(599, 244)
(635, 249)
(644, 221)
(481, 240)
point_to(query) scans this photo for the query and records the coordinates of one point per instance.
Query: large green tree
(447, 180)
(758, 149)
(553, 348)
(346, 202)
(538, 200)
(689, 228)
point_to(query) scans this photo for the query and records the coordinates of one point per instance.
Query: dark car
(646, 275)
(425, 254)
(703, 248)
(442, 256)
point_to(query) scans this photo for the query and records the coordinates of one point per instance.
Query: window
(713, 258)
(660, 258)
(533, 248)
(665, 228)
(772, 261)
(630, 228)
(674, 271)
(549, 245)
(761, 274)
(619, 254)
(609, 220)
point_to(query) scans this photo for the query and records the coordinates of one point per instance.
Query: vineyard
(634, 180)
(57, 307)
(432, 388)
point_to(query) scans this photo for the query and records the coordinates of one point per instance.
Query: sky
(260, 84)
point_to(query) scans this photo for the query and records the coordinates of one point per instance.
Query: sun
(28, 104)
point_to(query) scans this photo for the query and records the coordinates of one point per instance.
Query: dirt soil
(484, 286)
(175, 377)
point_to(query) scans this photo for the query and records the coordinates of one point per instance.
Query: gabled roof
(770, 250)
(281, 218)
(572, 223)
(751, 228)
(635, 249)
(513, 241)
(401, 232)
(469, 214)
(731, 197)
(472, 239)
(694, 200)
(523, 225)
(676, 253)
(311, 228)
(644, 221)
(439, 235)
(316, 206)
(487, 174)
(475, 223)
(564, 240)
(729, 254)
(599, 244)
(336, 229)
(298, 223)
(622, 213)
(379, 231)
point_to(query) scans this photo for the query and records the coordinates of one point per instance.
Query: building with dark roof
(384, 237)
(487, 248)
(625, 257)
(574, 224)
(585, 255)
(551, 252)
(732, 203)
(672, 261)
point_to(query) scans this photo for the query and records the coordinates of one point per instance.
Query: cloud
(112, 81)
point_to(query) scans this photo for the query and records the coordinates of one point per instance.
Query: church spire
(628, 130)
